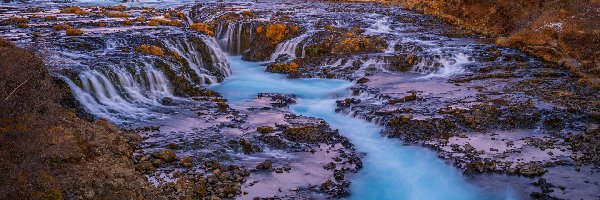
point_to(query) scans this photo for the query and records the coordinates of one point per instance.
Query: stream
(391, 170)
(415, 108)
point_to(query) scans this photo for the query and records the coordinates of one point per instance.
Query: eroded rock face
(47, 150)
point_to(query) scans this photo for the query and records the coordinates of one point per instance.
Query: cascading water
(391, 171)
(442, 65)
(290, 47)
(127, 91)
(230, 37)
(188, 51)
(119, 95)
(218, 58)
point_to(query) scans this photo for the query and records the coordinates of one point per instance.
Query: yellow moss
(150, 49)
(140, 19)
(162, 21)
(22, 26)
(247, 13)
(18, 20)
(167, 16)
(75, 10)
(118, 7)
(259, 29)
(181, 15)
(153, 23)
(74, 32)
(203, 28)
(117, 14)
(354, 44)
(291, 68)
(175, 55)
(175, 22)
(127, 23)
(51, 18)
(101, 24)
(275, 33)
(59, 27)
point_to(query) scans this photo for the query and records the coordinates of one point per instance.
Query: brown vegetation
(48, 152)
(74, 32)
(286, 68)
(150, 49)
(203, 28)
(75, 10)
(117, 14)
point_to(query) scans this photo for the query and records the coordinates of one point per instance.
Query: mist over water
(391, 170)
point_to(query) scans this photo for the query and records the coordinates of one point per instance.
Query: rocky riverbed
(161, 71)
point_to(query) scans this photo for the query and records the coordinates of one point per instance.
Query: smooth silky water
(391, 170)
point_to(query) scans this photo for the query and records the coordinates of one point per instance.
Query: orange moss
(51, 18)
(22, 25)
(117, 14)
(175, 22)
(20, 20)
(354, 44)
(118, 7)
(203, 28)
(140, 19)
(59, 27)
(181, 15)
(247, 13)
(259, 29)
(74, 32)
(75, 10)
(291, 68)
(153, 23)
(275, 33)
(150, 49)
(127, 23)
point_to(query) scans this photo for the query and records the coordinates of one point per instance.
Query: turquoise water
(391, 170)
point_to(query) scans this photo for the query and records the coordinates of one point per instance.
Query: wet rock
(311, 134)
(166, 155)
(347, 102)
(329, 166)
(166, 101)
(247, 147)
(402, 119)
(157, 162)
(187, 162)
(145, 167)
(362, 80)
(265, 165)
(282, 58)
(264, 129)
(174, 146)
(530, 169)
(402, 62)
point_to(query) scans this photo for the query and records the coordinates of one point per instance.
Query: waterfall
(217, 56)
(118, 94)
(230, 37)
(191, 54)
(442, 65)
(289, 47)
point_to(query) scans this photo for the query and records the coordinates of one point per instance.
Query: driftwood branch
(14, 90)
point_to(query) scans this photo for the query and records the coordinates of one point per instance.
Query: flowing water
(391, 170)
(122, 91)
